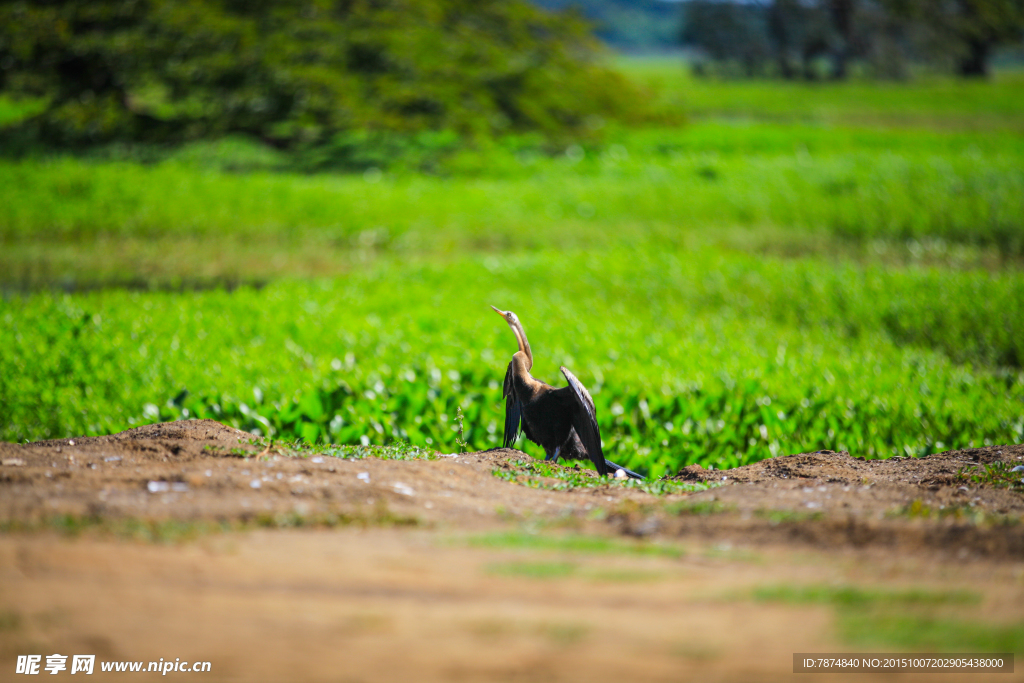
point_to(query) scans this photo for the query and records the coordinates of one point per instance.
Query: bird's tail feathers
(613, 468)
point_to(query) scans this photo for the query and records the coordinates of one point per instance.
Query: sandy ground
(430, 569)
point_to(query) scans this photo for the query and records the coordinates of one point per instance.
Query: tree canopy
(635, 25)
(295, 72)
(791, 38)
(972, 29)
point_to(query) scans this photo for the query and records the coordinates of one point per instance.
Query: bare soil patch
(831, 499)
(424, 575)
(202, 470)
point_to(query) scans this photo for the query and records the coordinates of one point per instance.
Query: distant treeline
(305, 74)
(825, 38)
(629, 25)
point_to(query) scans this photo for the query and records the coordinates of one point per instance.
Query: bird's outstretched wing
(513, 409)
(584, 421)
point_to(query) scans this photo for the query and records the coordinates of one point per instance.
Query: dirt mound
(203, 470)
(936, 485)
(462, 572)
(830, 499)
(183, 439)
(841, 468)
(831, 467)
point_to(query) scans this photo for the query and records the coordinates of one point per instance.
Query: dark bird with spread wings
(562, 421)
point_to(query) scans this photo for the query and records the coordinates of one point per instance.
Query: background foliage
(828, 38)
(801, 266)
(299, 74)
(691, 357)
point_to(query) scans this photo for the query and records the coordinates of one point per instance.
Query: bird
(562, 421)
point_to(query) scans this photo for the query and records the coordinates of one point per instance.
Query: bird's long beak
(499, 311)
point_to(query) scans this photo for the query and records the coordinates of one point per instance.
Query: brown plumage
(562, 421)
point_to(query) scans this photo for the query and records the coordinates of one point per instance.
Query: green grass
(996, 474)
(14, 110)
(691, 357)
(928, 101)
(930, 633)
(698, 508)
(776, 517)
(908, 619)
(561, 570)
(10, 621)
(399, 450)
(177, 531)
(533, 570)
(829, 266)
(961, 514)
(666, 187)
(542, 475)
(778, 178)
(570, 543)
(853, 596)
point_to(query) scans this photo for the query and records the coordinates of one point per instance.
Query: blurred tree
(798, 34)
(728, 32)
(842, 13)
(791, 34)
(974, 28)
(798, 29)
(783, 34)
(631, 25)
(299, 72)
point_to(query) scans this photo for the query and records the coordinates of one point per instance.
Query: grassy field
(797, 186)
(799, 267)
(928, 101)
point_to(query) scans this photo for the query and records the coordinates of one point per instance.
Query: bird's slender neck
(524, 346)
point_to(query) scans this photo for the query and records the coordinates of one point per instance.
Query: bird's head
(509, 317)
(517, 328)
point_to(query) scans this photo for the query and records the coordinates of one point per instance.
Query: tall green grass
(659, 188)
(927, 101)
(14, 110)
(912, 619)
(668, 268)
(694, 357)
